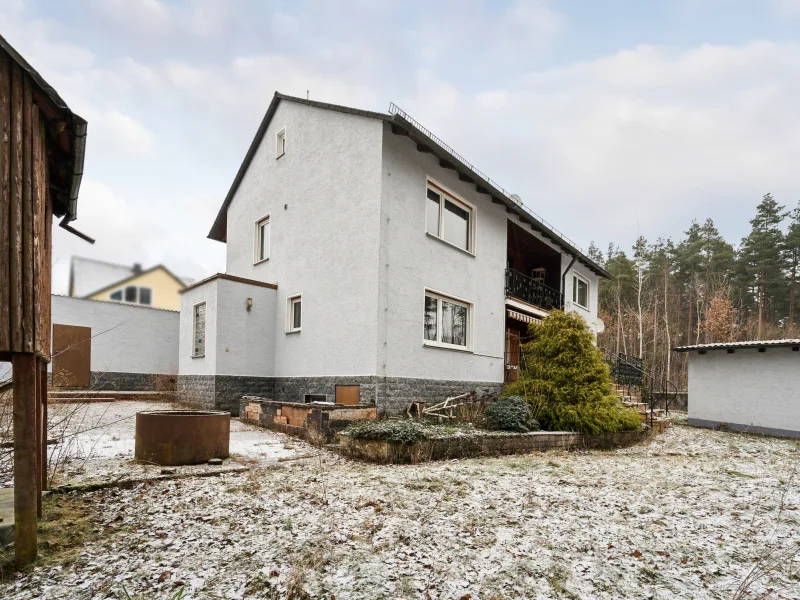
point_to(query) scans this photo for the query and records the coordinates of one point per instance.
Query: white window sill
(438, 239)
(258, 262)
(429, 344)
(281, 155)
(294, 331)
(198, 355)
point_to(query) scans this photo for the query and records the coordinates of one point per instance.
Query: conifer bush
(511, 413)
(566, 381)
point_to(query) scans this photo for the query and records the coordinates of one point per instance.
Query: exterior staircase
(656, 418)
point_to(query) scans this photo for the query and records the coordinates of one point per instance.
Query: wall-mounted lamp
(249, 304)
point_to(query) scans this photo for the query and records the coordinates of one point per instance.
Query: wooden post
(43, 467)
(37, 400)
(25, 471)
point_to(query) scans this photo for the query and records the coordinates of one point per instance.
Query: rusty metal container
(182, 437)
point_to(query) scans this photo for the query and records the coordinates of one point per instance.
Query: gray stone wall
(224, 392)
(126, 382)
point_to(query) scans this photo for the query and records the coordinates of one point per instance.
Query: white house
(746, 386)
(366, 257)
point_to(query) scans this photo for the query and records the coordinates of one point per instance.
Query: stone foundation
(126, 382)
(483, 444)
(391, 395)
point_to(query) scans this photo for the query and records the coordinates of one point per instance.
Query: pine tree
(763, 260)
(792, 248)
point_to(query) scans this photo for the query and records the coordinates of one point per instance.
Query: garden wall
(482, 444)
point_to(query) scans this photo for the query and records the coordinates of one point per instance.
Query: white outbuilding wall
(125, 338)
(748, 390)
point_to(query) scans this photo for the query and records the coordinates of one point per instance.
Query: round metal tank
(182, 437)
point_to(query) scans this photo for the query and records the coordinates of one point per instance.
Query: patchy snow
(96, 443)
(684, 516)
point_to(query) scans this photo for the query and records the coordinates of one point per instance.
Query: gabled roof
(402, 124)
(136, 276)
(751, 344)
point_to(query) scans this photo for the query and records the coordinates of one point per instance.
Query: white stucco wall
(204, 365)
(125, 338)
(245, 340)
(417, 261)
(323, 199)
(747, 388)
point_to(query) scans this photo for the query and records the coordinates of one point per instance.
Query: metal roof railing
(396, 110)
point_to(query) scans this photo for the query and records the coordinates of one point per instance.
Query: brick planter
(482, 444)
(297, 418)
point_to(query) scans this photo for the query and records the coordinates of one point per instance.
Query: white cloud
(786, 8)
(121, 133)
(150, 17)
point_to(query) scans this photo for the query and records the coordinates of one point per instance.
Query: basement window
(280, 143)
(316, 398)
(449, 218)
(199, 330)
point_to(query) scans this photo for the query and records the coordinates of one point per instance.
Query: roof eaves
(487, 187)
(747, 344)
(132, 277)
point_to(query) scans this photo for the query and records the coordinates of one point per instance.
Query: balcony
(532, 291)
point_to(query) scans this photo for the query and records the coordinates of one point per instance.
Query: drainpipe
(564, 276)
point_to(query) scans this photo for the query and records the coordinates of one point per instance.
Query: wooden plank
(28, 273)
(38, 431)
(348, 394)
(47, 277)
(15, 220)
(25, 482)
(5, 199)
(43, 400)
(37, 180)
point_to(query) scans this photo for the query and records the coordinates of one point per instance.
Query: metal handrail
(396, 110)
(520, 285)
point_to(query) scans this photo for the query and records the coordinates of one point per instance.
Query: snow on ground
(96, 443)
(685, 516)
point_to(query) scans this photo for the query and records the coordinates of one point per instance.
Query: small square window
(131, 293)
(262, 238)
(294, 314)
(580, 291)
(145, 296)
(280, 143)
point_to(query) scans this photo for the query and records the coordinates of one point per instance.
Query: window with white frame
(449, 218)
(294, 313)
(133, 294)
(280, 143)
(199, 330)
(447, 321)
(262, 240)
(580, 291)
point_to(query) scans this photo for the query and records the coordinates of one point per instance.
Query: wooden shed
(41, 163)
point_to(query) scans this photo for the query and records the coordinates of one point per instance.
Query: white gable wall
(323, 198)
(204, 365)
(417, 261)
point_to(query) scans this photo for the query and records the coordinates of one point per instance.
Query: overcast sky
(604, 116)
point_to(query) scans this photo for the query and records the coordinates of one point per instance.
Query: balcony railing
(532, 291)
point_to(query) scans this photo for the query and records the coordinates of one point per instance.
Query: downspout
(79, 148)
(564, 277)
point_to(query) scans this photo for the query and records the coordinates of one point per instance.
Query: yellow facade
(164, 289)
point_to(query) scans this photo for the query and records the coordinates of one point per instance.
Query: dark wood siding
(25, 216)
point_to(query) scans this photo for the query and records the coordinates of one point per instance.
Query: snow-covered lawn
(685, 516)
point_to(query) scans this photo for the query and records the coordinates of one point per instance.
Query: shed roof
(402, 124)
(68, 131)
(750, 344)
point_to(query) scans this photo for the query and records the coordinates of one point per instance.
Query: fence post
(25, 455)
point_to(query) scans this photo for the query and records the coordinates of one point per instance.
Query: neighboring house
(97, 280)
(366, 257)
(745, 386)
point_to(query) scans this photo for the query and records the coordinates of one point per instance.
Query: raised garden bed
(468, 442)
